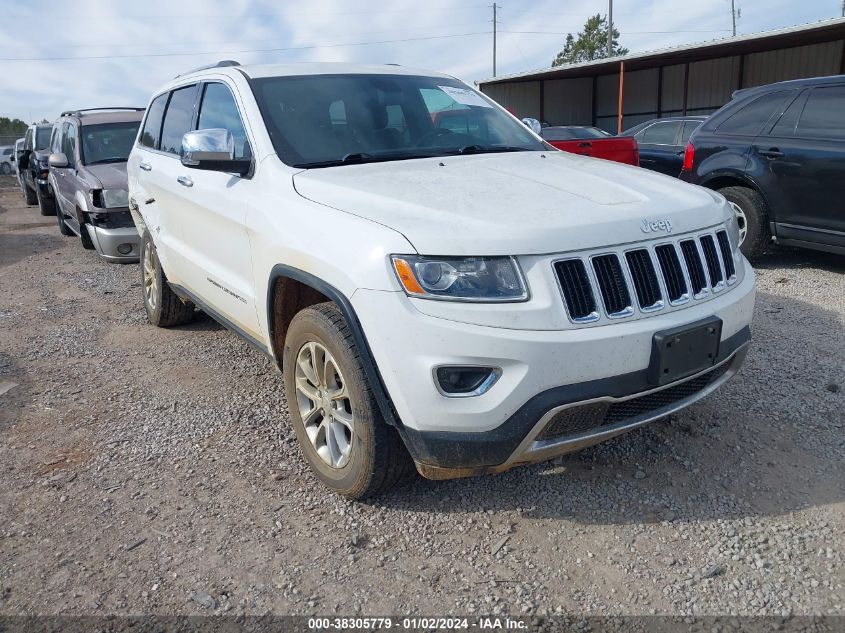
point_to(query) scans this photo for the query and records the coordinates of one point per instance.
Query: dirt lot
(155, 471)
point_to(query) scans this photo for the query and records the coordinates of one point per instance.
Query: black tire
(64, 229)
(28, 194)
(166, 309)
(377, 458)
(84, 237)
(47, 206)
(758, 236)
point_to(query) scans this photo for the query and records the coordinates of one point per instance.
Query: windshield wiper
(362, 157)
(489, 149)
(116, 159)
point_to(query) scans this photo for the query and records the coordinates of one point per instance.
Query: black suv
(33, 169)
(777, 153)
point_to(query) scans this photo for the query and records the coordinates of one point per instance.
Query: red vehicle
(591, 141)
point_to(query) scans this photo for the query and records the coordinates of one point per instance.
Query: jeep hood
(110, 175)
(518, 203)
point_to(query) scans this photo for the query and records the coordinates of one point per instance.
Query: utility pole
(610, 28)
(494, 38)
(733, 15)
(843, 8)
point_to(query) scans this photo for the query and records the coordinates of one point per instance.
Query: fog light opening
(465, 381)
(124, 249)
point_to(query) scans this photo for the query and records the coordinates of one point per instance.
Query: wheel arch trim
(371, 370)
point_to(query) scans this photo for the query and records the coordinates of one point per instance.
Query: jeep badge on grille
(654, 226)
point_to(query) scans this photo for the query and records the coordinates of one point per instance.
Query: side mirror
(57, 160)
(533, 125)
(213, 150)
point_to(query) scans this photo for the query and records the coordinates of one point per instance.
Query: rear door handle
(773, 152)
(185, 181)
(585, 144)
(145, 166)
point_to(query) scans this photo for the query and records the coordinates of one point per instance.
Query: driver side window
(219, 110)
(69, 144)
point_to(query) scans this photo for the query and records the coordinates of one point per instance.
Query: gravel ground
(155, 471)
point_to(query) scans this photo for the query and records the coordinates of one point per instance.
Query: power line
(233, 42)
(558, 33)
(252, 50)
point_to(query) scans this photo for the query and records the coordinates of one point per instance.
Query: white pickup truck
(444, 291)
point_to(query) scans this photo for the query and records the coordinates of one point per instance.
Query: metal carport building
(691, 79)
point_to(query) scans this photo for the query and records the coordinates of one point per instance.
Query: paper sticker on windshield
(465, 96)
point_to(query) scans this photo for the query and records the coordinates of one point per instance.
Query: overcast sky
(138, 46)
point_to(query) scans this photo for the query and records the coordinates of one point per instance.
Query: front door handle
(185, 181)
(585, 144)
(145, 166)
(772, 152)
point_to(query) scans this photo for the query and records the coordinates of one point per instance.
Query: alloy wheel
(741, 221)
(324, 404)
(150, 279)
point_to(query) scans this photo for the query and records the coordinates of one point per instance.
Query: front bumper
(108, 241)
(543, 373)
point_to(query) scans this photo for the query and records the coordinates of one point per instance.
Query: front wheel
(337, 421)
(5, 169)
(47, 206)
(64, 229)
(750, 211)
(164, 308)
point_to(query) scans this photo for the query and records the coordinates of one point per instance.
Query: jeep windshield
(108, 142)
(328, 120)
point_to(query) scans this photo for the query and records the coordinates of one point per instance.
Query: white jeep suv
(439, 286)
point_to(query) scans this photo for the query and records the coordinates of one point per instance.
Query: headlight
(481, 279)
(111, 198)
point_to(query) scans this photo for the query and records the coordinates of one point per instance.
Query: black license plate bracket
(684, 351)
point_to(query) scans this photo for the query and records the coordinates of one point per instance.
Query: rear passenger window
(824, 114)
(218, 110)
(152, 124)
(69, 144)
(751, 118)
(660, 133)
(177, 119)
(787, 122)
(689, 128)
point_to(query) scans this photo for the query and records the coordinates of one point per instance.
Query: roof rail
(79, 112)
(221, 64)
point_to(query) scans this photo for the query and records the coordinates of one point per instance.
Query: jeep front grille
(612, 285)
(660, 274)
(577, 290)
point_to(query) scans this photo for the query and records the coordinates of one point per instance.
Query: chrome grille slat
(619, 283)
(613, 287)
(714, 265)
(695, 268)
(644, 276)
(577, 290)
(727, 256)
(673, 274)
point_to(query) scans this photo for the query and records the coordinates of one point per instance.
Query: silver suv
(88, 156)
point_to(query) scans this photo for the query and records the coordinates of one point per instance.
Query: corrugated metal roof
(823, 30)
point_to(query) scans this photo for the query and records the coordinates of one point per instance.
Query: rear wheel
(28, 194)
(752, 218)
(164, 308)
(5, 168)
(341, 432)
